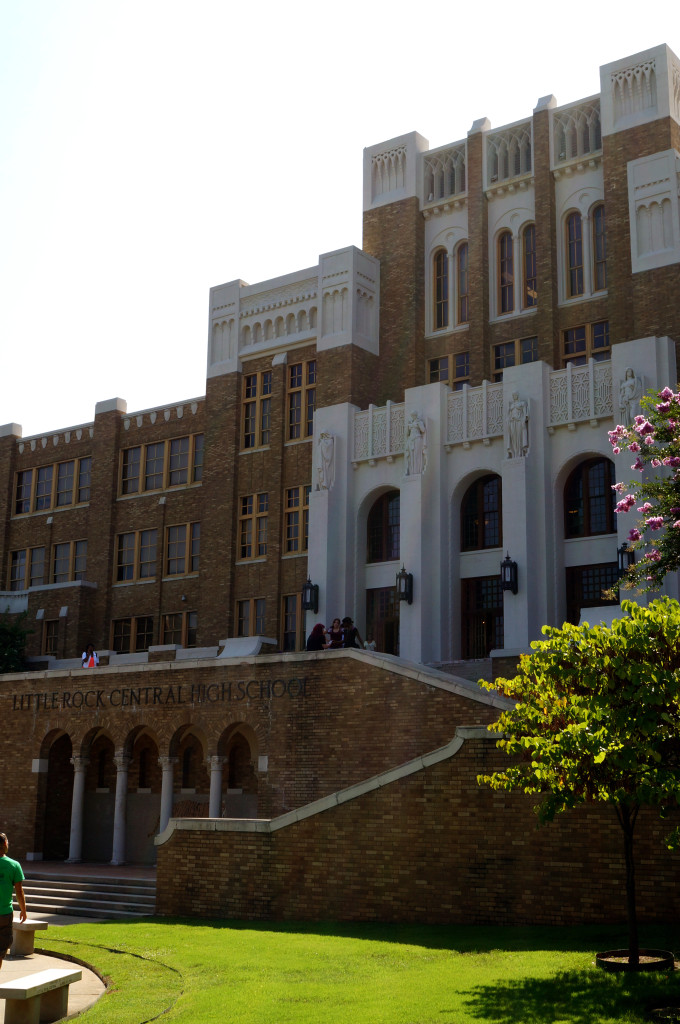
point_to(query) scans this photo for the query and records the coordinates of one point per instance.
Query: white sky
(150, 149)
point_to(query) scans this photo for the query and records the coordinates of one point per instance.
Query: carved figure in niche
(326, 467)
(518, 427)
(415, 448)
(630, 393)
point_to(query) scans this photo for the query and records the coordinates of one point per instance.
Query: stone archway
(238, 746)
(55, 795)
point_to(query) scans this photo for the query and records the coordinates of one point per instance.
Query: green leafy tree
(597, 719)
(654, 440)
(12, 642)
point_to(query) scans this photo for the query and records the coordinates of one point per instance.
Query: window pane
(198, 457)
(37, 567)
(61, 563)
(65, 480)
(43, 488)
(147, 554)
(79, 559)
(178, 468)
(130, 471)
(17, 574)
(23, 495)
(84, 479)
(125, 563)
(153, 477)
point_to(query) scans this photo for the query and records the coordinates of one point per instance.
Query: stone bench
(38, 997)
(23, 940)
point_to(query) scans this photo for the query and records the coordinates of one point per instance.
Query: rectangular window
(43, 488)
(22, 501)
(178, 469)
(84, 479)
(198, 457)
(51, 637)
(180, 628)
(154, 458)
(506, 273)
(136, 555)
(441, 290)
(132, 634)
(17, 570)
(529, 289)
(514, 353)
(257, 388)
(182, 549)
(463, 291)
(250, 617)
(253, 525)
(79, 559)
(291, 617)
(574, 255)
(37, 576)
(129, 483)
(296, 519)
(585, 342)
(439, 369)
(599, 250)
(461, 370)
(301, 399)
(69, 561)
(65, 481)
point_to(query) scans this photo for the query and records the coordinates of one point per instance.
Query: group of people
(342, 633)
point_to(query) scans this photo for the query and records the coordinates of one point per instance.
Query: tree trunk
(627, 816)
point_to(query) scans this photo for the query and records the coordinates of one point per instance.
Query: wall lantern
(405, 585)
(310, 596)
(626, 557)
(509, 574)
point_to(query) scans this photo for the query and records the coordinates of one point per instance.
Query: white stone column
(215, 764)
(122, 763)
(75, 848)
(168, 766)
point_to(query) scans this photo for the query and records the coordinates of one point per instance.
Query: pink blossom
(616, 450)
(627, 503)
(663, 407)
(653, 556)
(635, 534)
(676, 525)
(638, 464)
(647, 507)
(666, 394)
(634, 446)
(620, 488)
(638, 420)
(649, 439)
(674, 511)
(674, 461)
(655, 522)
(643, 428)
(656, 463)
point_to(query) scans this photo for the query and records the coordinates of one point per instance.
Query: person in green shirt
(11, 877)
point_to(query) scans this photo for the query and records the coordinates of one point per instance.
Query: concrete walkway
(82, 994)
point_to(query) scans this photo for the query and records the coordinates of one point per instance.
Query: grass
(197, 972)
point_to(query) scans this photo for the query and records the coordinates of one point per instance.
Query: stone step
(90, 897)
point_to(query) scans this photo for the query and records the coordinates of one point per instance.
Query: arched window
(462, 283)
(481, 525)
(529, 266)
(441, 290)
(506, 274)
(599, 249)
(589, 499)
(383, 529)
(574, 255)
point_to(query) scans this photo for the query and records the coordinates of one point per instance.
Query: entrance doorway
(382, 618)
(481, 616)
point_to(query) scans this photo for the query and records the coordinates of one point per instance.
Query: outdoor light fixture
(405, 585)
(310, 596)
(509, 574)
(626, 557)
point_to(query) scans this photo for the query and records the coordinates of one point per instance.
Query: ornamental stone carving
(415, 447)
(630, 393)
(518, 427)
(326, 463)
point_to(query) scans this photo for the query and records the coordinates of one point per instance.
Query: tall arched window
(441, 290)
(506, 274)
(481, 525)
(589, 500)
(599, 249)
(462, 283)
(383, 529)
(574, 255)
(529, 293)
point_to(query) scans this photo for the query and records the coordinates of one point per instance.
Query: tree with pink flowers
(654, 440)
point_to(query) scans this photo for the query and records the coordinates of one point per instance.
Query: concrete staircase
(88, 895)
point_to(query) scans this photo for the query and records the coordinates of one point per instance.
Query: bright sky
(150, 149)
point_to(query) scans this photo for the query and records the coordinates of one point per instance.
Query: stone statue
(518, 427)
(630, 393)
(326, 467)
(415, 449)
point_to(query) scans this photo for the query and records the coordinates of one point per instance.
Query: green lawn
(252, 973)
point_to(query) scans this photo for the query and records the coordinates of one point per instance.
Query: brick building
(430, 402)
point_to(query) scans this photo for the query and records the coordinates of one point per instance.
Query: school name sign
(162, 696)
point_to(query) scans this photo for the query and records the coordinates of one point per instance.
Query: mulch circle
(650, 960)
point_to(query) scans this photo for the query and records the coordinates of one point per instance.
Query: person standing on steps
(11, 877)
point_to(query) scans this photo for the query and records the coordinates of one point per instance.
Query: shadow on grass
(460, 937)
(577, 996)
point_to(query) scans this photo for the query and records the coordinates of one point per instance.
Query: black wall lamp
(310, 596)
(405, 585)
(626, 557)
(509, 574)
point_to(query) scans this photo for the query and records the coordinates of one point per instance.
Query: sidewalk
(82, 994)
